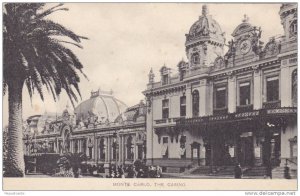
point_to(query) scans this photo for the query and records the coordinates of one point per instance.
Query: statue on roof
(151, 76)
(246, 18)
(231, 52)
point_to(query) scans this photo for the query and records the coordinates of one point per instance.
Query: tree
(35, 55)
(72, 160)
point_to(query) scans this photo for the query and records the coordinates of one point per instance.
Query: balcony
(244, 108)
(272, 104)
(166, 121)
(220, 111)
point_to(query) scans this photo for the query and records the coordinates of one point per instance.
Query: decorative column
(71, 145)
(120, 148)
(285, 85)
(95, 148)
(204, 98)
(231, 93)
(135, 148)
(189, 103)
(79, 145)
(257, 88)
(109, 147)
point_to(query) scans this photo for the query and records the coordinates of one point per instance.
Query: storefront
(249, 138)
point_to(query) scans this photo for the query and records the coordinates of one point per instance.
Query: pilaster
(257, 89)
(232, 94)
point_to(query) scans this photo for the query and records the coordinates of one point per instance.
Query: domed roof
(134, 113)
(101, 104)
(205, 27)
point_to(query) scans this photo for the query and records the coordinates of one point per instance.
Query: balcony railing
(166, 120)
(272, 104)
(220, 111)
(244, 108)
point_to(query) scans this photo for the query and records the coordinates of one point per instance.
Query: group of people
(134, 172)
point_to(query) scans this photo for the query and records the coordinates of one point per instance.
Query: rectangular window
(245, 93)
(165, 140)
(182, 106)
(165, 108)
(165, 79)
(272, 89)
(182, 74)
(220, 95)
(165, 150)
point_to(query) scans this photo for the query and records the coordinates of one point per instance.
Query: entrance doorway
(246, 151)
(271, 149)
(207, 154)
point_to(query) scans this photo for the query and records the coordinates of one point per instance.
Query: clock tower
(245, 45)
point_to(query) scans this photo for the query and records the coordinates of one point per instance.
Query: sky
(126, 40)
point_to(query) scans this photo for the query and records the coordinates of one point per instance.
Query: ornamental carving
(271, 47)
(219, 63)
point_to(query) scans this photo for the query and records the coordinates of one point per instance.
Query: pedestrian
(121, 172)
(140, 173)
(238, 171)
(131, 172)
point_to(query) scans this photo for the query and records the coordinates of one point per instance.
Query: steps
(202, 170)
(225, 171)
(256, 171)
(278, 173)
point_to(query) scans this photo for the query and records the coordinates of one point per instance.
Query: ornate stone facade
(222, 109)
(102, 127)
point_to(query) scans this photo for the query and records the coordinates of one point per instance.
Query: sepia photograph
(151, 96)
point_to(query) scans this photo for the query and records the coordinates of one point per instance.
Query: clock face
(245, 46)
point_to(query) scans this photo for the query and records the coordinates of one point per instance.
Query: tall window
(220, 97)
(102, 149)
(114, 149)
(195, 103)
(182, 74)
(165, 152)
(84, 146)
(272, 89)
(294, 88)
(165, 108)
(195, 58)
(182, 106)
(245, 93)
(76, 146)
(293, 28)
(165, 79)
(129, 148)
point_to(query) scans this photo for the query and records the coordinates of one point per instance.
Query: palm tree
(35, 55)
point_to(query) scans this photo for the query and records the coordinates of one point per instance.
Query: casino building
(220, 108)
(102, 127)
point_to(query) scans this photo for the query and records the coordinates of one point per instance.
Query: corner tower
(288, 16)
(204, 42)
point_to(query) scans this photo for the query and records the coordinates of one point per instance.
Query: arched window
(294, 88)
(67, 141)
(102, 149)
(129, 147)
(293, 28)
(115, 149)
(196, 58)
(195, 103)
(76, 146)
(84, 146)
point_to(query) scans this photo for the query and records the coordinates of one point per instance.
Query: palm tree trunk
(15, 157)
